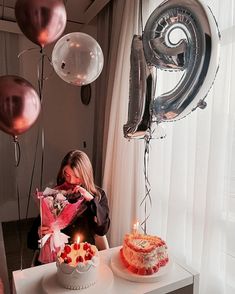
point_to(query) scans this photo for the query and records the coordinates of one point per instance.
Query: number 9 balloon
(77, 58)
(196, 54)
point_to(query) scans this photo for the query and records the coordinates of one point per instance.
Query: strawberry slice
(86, 246)
(67, 249)
(79, 259)
(88, 256)
(63, 255)
(68, 259)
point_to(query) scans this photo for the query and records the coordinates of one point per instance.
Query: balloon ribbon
(17, 162)
(147, 197)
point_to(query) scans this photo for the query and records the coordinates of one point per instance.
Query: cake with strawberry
(77, 266)
(143, 254)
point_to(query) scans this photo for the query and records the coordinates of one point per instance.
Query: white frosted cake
(143, 254)
(77, 266)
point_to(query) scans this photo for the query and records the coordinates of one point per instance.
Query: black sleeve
(100, 210)
(32, 238)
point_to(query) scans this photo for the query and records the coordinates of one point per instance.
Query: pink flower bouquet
(57, 212)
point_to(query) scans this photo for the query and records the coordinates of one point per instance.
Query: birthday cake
(143, 254)
(77, 266)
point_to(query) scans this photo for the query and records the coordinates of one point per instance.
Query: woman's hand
(38, 194)
(84, 193)
(42, 231)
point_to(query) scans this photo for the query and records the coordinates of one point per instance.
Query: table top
(30, 280)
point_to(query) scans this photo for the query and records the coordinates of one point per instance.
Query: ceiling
(78, 11)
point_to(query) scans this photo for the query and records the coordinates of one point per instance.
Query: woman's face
(71, 176)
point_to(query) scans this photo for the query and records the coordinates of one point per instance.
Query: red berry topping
(67, 249)
(91, 251)
(68, 259)
(149, 271)
(86, 246)
(88, 256)
(79, 259)
(63, 255)
(76, 246)
(142, 271)
(133, 269)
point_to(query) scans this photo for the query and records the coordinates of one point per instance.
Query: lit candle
(76, 245)
(78, 239)
(135, 227)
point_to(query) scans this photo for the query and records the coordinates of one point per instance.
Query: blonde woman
(76, 177)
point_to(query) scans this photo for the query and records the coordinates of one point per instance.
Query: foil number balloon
(142, 83)
(197, 54)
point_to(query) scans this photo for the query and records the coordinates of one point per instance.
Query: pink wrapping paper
(53, 242)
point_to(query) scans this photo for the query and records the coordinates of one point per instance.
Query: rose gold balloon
(41, 21)
(19, 105)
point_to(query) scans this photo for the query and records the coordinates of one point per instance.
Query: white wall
(67, 124)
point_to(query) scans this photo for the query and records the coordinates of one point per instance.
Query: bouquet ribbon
(57, 239)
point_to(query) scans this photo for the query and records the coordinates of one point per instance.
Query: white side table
(179, 280)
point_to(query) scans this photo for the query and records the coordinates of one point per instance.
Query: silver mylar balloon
(141, 89)
(196, 53)
(77, 58)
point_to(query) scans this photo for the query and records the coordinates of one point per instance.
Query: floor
(15, 241)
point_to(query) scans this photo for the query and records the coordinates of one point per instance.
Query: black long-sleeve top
(94, 220)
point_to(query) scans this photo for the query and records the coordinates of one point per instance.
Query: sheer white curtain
(192, 170)
(120, 179)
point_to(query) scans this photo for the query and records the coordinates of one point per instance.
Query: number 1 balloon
(196, 54)
(41, 21)
(142, 82)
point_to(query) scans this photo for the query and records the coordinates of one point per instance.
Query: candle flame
(78, 239)
(136, 227)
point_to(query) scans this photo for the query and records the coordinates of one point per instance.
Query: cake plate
(103, 284)
(120, 270)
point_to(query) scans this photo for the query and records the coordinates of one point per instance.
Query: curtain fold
(108, 35)
(104, 25)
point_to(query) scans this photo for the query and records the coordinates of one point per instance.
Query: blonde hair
(80, 162)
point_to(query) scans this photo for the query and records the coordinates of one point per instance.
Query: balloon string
(40, 75)
(42, 159)
(32, 175)
(24, 51)
(17, 151)
(40, 86)
(141, 16)
(17, 162)
(52, 72)
(147, 196)
(40, 207)
(19, 226)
